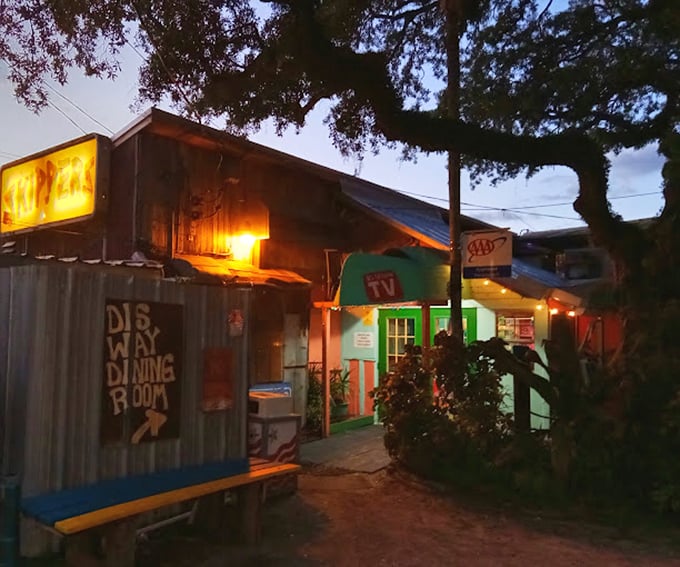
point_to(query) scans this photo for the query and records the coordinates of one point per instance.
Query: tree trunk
(453, 23)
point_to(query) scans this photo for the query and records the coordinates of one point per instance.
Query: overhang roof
(232, 272)
(401, 275)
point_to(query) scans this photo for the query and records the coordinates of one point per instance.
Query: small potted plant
(339, 386)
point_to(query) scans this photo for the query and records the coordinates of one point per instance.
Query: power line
(77, 107)
(518, 211)
(444, 200)
(8, 154)
(141, 55)
(71, 120)
(611, 198)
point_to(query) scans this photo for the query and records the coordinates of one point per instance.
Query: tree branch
(340, 70)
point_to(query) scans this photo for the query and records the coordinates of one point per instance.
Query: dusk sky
(111, 103)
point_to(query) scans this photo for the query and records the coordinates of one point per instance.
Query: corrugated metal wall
(51, 373)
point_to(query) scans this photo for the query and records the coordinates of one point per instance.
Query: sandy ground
(389, 518)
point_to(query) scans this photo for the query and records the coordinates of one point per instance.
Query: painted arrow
(154, 421)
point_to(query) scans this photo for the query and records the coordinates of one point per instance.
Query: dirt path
(392, 520)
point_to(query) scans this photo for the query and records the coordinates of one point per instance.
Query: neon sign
(51, 188)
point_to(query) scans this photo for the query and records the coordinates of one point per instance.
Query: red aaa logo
(484, 246)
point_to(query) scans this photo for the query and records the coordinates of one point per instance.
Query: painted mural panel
(141, 390)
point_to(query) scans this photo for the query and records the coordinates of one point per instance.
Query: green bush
(454, 436)
(314, 412)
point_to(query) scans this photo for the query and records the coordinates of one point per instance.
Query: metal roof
(232, 272)
(194, 269)
(419, 218)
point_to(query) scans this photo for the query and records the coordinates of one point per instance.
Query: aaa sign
(383, 287)
(487, 254)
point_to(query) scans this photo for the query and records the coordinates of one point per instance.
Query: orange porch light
(242, 245)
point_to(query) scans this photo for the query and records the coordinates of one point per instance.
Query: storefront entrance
(402, 326)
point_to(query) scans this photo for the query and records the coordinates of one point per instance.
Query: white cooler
(269, 404)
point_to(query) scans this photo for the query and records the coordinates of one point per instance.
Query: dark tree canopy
(543, 84)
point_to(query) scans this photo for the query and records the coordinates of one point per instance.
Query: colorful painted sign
(487, 254)
(141, 393)
(383, 287)
(51, 188)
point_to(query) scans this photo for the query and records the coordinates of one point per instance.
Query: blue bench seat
(51, 508)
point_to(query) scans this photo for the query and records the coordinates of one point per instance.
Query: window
(400, 332)
(444, 324)
(516, 328)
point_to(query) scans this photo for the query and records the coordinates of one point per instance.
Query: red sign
(484, 246)
(382, 287)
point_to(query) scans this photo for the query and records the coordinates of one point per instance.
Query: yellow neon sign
(52, 188)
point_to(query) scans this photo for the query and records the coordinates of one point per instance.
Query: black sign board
(141, 393)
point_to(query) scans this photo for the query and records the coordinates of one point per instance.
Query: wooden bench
(100, 519)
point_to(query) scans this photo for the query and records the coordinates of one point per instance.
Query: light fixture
(486, 282)
(571, 313)
(241, 246)
(554, 311)
(504, 290)
(539, 307)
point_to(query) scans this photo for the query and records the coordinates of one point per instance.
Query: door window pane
(400, 332)
(444, 324)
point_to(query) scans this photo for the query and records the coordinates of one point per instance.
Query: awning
(401, 275)
(232, 272)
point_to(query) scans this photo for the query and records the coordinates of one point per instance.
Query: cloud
(633, 163)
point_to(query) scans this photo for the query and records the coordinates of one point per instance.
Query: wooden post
(249, 501)
(427, 330)
(325, 379)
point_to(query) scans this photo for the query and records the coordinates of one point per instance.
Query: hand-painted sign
(141, 394)
(57, 186)
(487, 254)
(383, 287)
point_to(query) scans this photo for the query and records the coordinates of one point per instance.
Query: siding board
(51, 374)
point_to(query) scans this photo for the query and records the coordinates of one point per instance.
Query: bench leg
(209, 518)
(119, 543)
(80, 550)
(249, 502)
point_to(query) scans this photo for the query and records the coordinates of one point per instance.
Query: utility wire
(77, 107)
(71, 120)
(444, 200)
